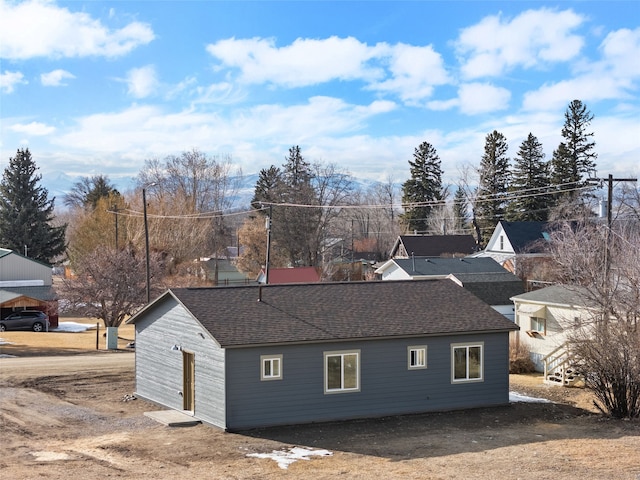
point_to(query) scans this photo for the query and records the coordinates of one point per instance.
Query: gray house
(245, 357)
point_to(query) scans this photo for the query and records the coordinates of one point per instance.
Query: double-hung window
(342, 371)
(270, 367)
(417, 357)
(467, 362)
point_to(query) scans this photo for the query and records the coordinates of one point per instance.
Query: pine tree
(460, 206)
(26, 213)
(530, 176)
(267, 185)
(574, 159)
(87, 192)
(424, 187)
(493, 186)
(294, 227)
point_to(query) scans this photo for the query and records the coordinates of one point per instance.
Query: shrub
(520, 357)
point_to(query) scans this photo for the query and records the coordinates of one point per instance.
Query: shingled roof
(525, 237)
(494, 288)
(433, 245)
(274, 314)
(436, 266)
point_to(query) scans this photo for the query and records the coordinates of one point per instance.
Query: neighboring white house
(546, 317)
(512, 239)
(423, 268)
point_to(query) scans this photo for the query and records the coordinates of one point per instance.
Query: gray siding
(159, 368)
(387, 387)
(14, 267)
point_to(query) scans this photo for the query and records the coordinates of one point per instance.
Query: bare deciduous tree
(186, 196)
(604, 263)
(110, 284)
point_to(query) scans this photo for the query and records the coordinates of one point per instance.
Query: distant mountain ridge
(62, 184)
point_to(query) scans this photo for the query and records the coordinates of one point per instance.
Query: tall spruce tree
(267, 186)
(574, 159)
(530, 176)
(424, 188)
(294, 227)
(460, 208)
(26, 213)
(493, 186)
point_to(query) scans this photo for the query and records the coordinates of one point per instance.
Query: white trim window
(539, 324)
(271, 367)
(467, 362)
(417, 357)
(342, 371)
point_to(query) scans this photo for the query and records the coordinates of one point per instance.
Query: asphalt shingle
(252, 315)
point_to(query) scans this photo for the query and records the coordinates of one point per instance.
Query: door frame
(188, 381)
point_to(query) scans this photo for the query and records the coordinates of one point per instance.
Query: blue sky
(97, 87)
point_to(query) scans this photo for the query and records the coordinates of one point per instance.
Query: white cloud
(408, 71)
(8, 81)
(55, 78)
(475, 98)
(141, 132)
(142, 81)
(532, 39)
(414, 72)
(33, 129)
(613, 77)
(39, 28)
(621, 53)
(478, 98)
(304, 62)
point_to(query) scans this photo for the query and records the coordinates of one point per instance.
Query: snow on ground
(72, 327)
(284, 458)
(515, 397)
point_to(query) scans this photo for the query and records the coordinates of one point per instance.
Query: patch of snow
(72, 327)
(284, 458)
(50, 456)
(5, 342)
(515, 397)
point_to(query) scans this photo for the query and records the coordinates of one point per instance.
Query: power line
(510, 196)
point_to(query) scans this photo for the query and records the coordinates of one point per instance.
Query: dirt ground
(74, 416)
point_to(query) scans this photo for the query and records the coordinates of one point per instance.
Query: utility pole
(610, 181)
(146, 237)
(115, 209)
(268, 227)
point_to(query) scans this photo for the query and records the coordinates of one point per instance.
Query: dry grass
(26, 343)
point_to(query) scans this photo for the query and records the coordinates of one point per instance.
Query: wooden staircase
(559, 368)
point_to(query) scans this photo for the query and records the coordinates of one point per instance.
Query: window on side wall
(342, 371)
(417, 357)
(270, 367)
(539, 325)
(467, 362)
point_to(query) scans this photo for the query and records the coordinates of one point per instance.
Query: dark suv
(25, 320)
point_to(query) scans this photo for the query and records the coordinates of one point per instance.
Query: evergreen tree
(294, 227)
(574, 159)
(87, 192)
(530, 175)
(267, 185)
(424, 188)
(493, 185)
(26, 213)
(460, 207)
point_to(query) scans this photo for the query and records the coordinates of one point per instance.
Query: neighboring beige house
(546, 317)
